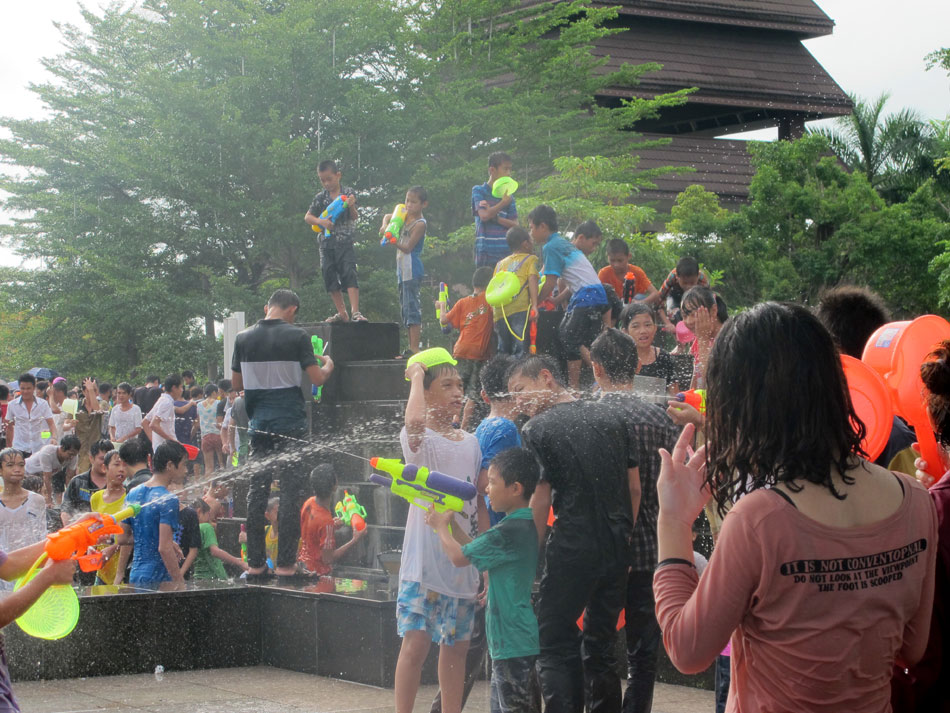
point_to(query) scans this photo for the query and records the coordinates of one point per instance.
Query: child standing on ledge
(318, 550)
(409, 269)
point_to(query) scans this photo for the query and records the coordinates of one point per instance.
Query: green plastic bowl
(431, 357)
(505, 184)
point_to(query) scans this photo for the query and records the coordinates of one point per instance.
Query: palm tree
(892, 150)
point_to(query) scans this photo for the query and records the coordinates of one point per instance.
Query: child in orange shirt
(318, 550)
(619, 267)
(475, 320)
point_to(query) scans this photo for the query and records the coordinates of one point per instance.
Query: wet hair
(532, 366)
(687, 267)
(70, 443)
(436, 372)
(323, 480)
(112, 455)
(103, 445)
(493, 376)
(700, 296)
(327, 165)
(105, 387)
(285, 299)
(124, 386)
(632, 310)
(200, 506)
(616, 246)
(170, 452)
(196, 392)
(481, 277)
(935, 373)
(26, 378)
(515, 237)
(134, 451)
(224, 385)
(779, 408)
(150, 378)
(544, 214)
(419, 192)
(589, 229)
(59, 386)
(8, 454)
(171, 381)
(210, 390)
(497, 158)
(616, 352)
(518, 465)
(852, 314)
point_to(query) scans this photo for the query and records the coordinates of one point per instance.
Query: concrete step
(356, 341)
(367, 380)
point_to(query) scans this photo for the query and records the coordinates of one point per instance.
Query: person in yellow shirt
(510, 325)
(110, 500)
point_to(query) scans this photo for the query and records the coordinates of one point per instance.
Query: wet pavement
(262, 689)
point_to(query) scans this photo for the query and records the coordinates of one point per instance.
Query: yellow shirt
(96, 502)
(270, 544)
(527, 266)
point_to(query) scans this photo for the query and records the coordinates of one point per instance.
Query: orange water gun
(74, 541)
(533, 331)
(695, 398)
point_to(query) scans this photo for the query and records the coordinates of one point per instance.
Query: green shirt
(509, 553)
(207, 566)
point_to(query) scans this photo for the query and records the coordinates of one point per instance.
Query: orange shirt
(476, 324)
(641, 281)
(316, 536)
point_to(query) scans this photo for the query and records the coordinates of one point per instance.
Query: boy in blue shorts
(409, 269)
(508, 552)
(584, 318)
(436, 601)
(152, 531)
(493, 216)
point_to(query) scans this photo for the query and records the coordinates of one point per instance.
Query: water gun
(444, 298)
(351, 512)
(421, 486)
(391, 235)
(694, 397)
(533, 331)
(629, 285)
(244, 544)
(332, 213)
(74, 541)
(318, 349)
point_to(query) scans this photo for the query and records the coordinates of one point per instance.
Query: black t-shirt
(584, 449)
(138, 477)
(663, 367)
(79, 493)
(188, 534)
(145, 397)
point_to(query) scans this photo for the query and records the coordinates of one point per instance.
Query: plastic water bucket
(872, 403)
(191, 450)
(431, 357)
(503, 185)
(502, 289)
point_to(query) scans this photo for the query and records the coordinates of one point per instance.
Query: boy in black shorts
(337, 258)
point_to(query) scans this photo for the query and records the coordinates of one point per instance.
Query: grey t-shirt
(45, 460)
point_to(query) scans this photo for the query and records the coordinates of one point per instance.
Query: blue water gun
(332, 213)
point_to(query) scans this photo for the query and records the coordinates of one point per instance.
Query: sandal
(337, 318)
(406, 354)
(358, 317)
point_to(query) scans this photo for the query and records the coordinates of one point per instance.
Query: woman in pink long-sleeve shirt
(823, 574)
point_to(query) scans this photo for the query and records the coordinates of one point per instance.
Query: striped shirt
(270, 357)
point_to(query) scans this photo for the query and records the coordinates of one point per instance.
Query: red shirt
(817, 615)
(316, 536)
(475, 321)
(641, 282)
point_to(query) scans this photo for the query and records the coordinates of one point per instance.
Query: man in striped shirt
(267, 364)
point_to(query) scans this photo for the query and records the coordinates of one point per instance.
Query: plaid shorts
(446, 619)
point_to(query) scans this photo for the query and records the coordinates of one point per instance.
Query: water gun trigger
(90, 562)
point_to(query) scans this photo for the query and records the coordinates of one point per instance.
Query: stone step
(356, 341)
(367, 380)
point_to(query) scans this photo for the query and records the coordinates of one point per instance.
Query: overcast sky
(876, 46)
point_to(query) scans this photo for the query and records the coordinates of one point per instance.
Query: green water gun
(421, 486)
(351, 512)
(318, 349)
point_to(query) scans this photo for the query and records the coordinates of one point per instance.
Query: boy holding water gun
(337, 259)
(436, 601)
(318, 550)
(409, 269)
(508, 552)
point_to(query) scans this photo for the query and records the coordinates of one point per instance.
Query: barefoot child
(508, 553)
(211, 558)
(436, 601)
(409, 270)
(318, 550)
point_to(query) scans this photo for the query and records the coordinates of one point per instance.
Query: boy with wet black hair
(681, 279)
(589, 474)
(493, 216)
(614, 357)
(508, 553)
(436, 601)
(337, 258)
(318, 550)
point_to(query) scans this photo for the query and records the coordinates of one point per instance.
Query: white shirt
(21, 526)
(162, 413)
(45, 460)
(423, 559)
(125, 421)
(29, 425)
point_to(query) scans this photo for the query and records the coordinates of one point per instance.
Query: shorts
(445, 619)
(338, 264)
(211, 442)
(579, 328)
(515, 687)
(470, 371)
(410, 307)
